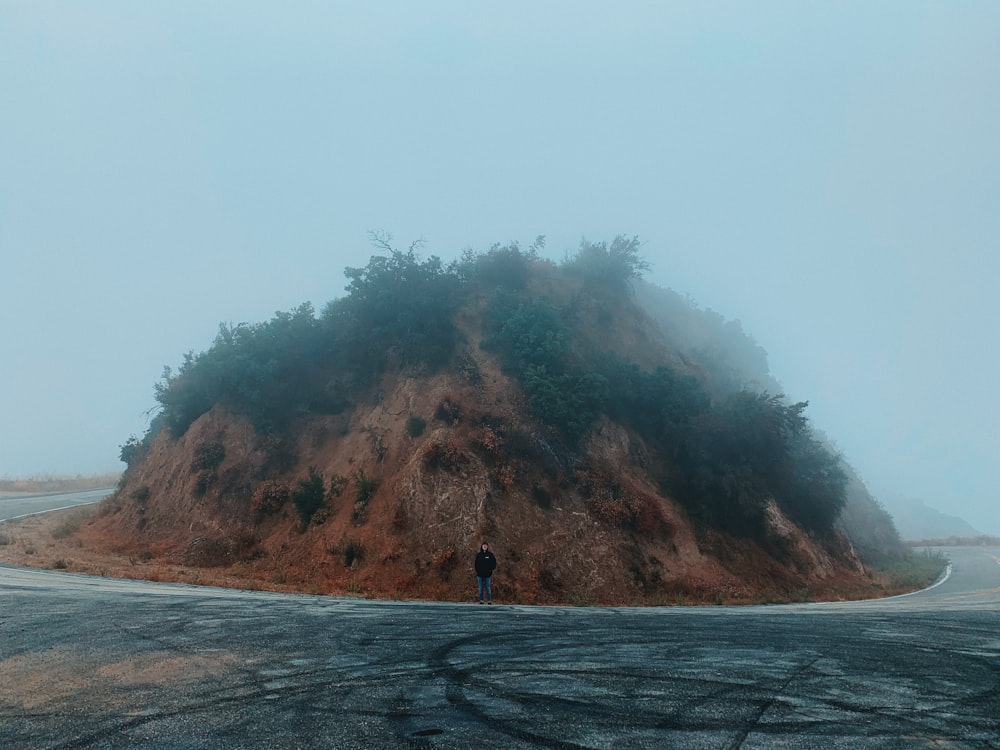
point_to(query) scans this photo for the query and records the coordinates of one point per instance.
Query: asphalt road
(97, 663)
(19, 506)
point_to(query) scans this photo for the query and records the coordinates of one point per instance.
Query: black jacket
(486, 563)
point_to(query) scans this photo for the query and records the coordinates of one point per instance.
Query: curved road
(19, 506)
(95, 663)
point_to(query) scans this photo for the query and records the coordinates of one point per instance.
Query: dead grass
(42, 542)
(917, 571)
(64, 540)
(31, 681)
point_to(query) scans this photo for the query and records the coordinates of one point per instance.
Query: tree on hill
(398, 305)
(612, 268)
(263, 371)
(270, 372)
(751, 448)
(534, 345)
(501, 267)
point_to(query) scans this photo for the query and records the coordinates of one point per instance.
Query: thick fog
(827, 173)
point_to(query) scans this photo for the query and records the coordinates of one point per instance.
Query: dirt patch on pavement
(162, 668)
(36, 679)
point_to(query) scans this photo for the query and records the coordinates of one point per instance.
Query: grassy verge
(916, 571)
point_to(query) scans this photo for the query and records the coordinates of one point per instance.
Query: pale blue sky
(827, 173)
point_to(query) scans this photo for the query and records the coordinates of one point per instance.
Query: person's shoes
(490, 602)
(480, 601)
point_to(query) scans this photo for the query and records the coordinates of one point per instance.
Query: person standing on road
(486, 563)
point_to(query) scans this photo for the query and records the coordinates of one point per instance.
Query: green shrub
(611, 268)
(309, 496)
(205, 478)
(563, 392)
(353, 552)
(337, 485)
(400, 307)
(131, 451)
(365, 490)
(501, 266)
(270, 497)
(448, 412)
(567, 402)
(447, 455)
(208, 456)
(265, 372)
(415, 426)
(751, 447)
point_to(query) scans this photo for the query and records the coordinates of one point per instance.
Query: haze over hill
(826, 173)
(612, 453)
(916, 520)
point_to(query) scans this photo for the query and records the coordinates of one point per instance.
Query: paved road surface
(94, 663)
(18, 506)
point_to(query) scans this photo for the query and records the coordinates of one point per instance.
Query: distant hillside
(611, 451)
(917, 520)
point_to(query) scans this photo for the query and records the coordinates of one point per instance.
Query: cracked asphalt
(99, 663)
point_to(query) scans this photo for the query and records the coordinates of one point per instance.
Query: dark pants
(484, 584)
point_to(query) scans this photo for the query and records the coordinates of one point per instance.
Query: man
(486, 563)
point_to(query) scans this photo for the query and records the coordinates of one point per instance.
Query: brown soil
(71, 540)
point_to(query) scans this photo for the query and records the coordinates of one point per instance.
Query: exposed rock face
(416, 477)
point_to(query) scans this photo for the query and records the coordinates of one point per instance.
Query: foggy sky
(826, 173)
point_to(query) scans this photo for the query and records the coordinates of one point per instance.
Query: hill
(610, 451)
(917, 520)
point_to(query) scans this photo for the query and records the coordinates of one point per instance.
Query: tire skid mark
(458, 681)
(214, 698)
(563, 679)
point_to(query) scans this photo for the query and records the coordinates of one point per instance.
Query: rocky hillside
(371, 448)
